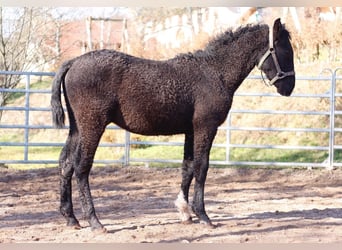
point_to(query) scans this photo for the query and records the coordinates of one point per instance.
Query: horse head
(277, 62)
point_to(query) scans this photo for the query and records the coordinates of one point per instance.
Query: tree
(24, 36)
(14, 38)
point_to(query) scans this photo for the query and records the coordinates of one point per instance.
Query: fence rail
(329, 78)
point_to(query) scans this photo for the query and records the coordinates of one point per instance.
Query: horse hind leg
(182, 201)
(90, 135)
(66, 168)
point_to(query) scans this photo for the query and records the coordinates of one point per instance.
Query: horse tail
(58, 116)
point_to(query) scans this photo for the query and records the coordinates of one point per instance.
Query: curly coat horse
(190, 94)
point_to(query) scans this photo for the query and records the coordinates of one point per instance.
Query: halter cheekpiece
(271, 51)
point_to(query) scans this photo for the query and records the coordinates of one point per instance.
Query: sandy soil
(136, 205)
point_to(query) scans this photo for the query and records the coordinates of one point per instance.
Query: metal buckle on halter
(280, 74)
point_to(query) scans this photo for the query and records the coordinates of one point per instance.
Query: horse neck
(237, 59)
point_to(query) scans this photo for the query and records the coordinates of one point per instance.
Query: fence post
(127, 148)
(27, 117)
(228, 137)
(330, 161)
(332, 122)
(332, 119)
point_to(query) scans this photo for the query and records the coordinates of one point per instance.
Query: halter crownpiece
(271, 51)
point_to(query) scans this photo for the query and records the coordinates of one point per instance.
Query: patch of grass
(41, 85)
(337, 155)
(236, 154)
(278, 155)
(167, 152)
(160, 152)
(109, 153)
(10, 136)
(172, 152)
(44, 153)
(11, 153)
(12, 97)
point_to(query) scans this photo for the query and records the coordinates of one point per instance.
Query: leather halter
(271, 51)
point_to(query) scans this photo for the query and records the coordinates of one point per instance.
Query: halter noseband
(280, 74)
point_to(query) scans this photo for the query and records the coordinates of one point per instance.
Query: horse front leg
(202, 145)
(182, 202)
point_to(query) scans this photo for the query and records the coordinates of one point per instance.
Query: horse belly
(154, 122)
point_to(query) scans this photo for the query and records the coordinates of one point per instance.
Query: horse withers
(189, 94)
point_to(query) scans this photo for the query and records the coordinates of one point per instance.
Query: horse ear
(277, 27)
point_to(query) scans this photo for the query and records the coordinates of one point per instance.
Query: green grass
(338, 155)
(12, 97)
(170, 152)
(41, 85)
(8, 136)
(160, 152)
(278, 155)
(11, 153)
(236, 154)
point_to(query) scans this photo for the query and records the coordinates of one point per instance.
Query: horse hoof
(187, 222)
(212, 226)
(74, 225)
(101, 230)
(208, 224)
(77, 227)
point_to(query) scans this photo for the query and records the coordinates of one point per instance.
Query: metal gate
(28, 124)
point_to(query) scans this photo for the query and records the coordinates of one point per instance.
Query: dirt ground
(136, 204)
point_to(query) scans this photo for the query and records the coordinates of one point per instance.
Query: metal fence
(20, 124)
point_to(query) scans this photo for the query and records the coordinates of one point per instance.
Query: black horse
(190, 94)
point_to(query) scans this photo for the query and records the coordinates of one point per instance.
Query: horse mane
(227, 42)
(230, 36)
(223, 39)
